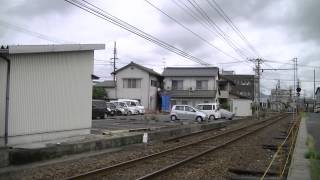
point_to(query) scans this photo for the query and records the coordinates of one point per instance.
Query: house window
(154, 83)
(202, 84)
(177, 84)
(131, 83)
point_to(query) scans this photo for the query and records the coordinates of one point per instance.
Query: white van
(135, 104)
(211, 109)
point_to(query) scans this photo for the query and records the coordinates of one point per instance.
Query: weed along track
(159, 164)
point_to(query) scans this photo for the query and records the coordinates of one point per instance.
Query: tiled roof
(190, 71)
(151, 71)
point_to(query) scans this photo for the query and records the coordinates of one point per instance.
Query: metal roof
(21, 49)
(107, 84)
(190, 71)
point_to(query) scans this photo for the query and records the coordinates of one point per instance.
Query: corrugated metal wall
(3, 76)
(50, 92)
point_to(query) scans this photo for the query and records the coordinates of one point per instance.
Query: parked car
(226, 114)
(123, 106)
(99, 108)
(134, 103)
(187, 112)
(211, 109)
(111, 109)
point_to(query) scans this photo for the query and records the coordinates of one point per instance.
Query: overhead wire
(229, 21)
(89, 7)
(216, 28)
(188, 29)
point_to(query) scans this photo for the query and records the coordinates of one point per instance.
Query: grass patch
(314, 158)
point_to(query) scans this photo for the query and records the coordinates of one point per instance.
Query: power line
(182, 25)
(30, 33)
(223, 14)
(216, 28)
(89, 7)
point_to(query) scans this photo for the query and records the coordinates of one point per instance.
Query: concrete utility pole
(114, 61)
(257, 93)
(295, 69)
(114, 66)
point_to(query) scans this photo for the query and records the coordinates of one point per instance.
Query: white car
(187, 112)
(211, 109)
(226, 114)
(130, 110)
(135, 104)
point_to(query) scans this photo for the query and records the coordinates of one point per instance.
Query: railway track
(155, 164)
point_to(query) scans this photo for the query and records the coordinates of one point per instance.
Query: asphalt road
(313, 127)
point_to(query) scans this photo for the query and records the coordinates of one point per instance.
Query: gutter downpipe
(7, 98)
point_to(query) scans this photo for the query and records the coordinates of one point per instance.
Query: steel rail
(165, 169)
(101, 170)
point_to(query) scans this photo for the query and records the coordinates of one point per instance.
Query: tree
(98, 93)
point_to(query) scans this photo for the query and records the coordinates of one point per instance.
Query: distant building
(230, 99)
(244, 85)
(280, 99)
(190, 85)
(48, 90)
(134, 81)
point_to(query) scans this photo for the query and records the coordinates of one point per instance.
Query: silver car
(226, 114)
(187, 112)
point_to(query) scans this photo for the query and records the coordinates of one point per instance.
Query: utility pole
(114, 61)
(295, 60)
(257, 93)
(114, 66)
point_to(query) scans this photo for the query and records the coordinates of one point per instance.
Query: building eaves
(190, 72)
(106, 84)
(23, 49)
(148, 70)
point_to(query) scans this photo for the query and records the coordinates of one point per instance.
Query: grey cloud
(34, 8)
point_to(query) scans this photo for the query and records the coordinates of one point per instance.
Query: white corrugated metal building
(48, 90)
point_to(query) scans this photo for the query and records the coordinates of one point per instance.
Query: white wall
(3, 76)
(145, 93)
(190, 82)
(241, 107)
(49, 93)
(111, 93)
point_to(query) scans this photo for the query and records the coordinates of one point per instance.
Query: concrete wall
(146, 93)
(50, 95)
(241, 107)
(190, 82)
(3, 76)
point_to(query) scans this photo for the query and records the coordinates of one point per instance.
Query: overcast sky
(278, 29)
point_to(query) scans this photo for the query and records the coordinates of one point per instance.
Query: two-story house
(244, 84)
(190, 85)
(134, 81)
